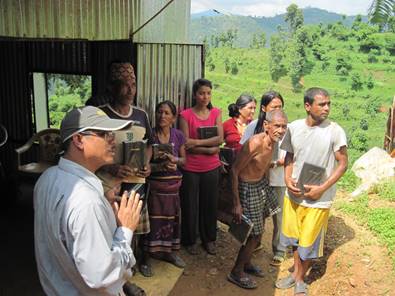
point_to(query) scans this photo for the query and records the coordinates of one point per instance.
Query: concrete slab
(163, 281)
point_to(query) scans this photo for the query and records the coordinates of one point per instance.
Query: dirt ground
(354, 264)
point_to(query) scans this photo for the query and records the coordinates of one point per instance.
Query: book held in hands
(160, 150)
(227, 155)
(241, 231)
(134, 154)
(206, 132)
(310, 175)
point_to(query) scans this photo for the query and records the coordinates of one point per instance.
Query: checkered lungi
(258, 202)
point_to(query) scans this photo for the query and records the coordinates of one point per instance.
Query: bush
(359, 141)
(342, 62)
(385, 190)
(233, 68)
(372, 56)
(370, 82)
(346, 111)
(372, 107)
(356, 81)
(386, 57)
(364, 124)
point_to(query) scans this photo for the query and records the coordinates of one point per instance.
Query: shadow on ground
(338, 234)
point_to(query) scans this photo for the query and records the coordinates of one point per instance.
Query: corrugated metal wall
(19, 58)
(95, 19)
(15, 104)
(166, 72)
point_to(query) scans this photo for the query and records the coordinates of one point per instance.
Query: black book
(134, 154)
(227, 155)
(241, 231)
(310, 175)
(275, 152)
(206, 132)
(159, 150)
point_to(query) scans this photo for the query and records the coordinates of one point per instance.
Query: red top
(231, 135)
(200, 162)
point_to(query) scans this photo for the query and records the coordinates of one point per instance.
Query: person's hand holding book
(145, 172)
(313, 192)
(292, 187)
(237, 213)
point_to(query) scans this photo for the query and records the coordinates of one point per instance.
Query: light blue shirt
(79, 248)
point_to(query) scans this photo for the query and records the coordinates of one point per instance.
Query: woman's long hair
(266, 99)
(241, 102)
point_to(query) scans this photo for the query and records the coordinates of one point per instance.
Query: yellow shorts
(304, 228)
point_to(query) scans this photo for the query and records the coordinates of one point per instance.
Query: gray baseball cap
(88, 118)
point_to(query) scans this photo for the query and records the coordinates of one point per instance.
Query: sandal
(210, 248)
(277, 259)
(258, 247)
(300, 287)
(285, 283)
(133, 290)
(174, 259)
(242, 282)
(192, 249)
(254, 270)
(146, 270)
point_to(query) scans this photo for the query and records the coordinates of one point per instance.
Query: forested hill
(211, 23)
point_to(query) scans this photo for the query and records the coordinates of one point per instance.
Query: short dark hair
(310, 94)
(198, 84)
(66, 145)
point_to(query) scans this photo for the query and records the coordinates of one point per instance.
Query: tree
(294, 18)
(227, 65)
(258, 41)
(356, 81)
(277, 55)
(380, 11)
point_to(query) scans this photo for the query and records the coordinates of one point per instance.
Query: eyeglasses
(108, 136)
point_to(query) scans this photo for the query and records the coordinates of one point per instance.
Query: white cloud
(273, 7)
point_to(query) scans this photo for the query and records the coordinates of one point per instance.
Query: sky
(273, 7)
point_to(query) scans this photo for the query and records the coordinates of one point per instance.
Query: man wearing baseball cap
(82, 243)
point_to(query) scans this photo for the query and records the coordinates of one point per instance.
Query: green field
(350, 108)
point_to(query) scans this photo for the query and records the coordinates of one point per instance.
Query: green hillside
(205, 26)
(361, 112)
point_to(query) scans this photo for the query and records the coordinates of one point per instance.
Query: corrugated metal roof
(95, 19)
(167, 72)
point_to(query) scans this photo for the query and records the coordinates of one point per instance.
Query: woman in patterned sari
(164, 182)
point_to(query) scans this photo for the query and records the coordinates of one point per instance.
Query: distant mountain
(206, 13)
(211, 22)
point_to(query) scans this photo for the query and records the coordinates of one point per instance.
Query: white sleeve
(249, 132)
(339, 138)
(103, 258)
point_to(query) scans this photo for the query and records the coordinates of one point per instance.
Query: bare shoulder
(256, 141)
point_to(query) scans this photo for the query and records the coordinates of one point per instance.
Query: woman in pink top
(199, 189)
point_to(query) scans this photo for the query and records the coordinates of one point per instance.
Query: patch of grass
(385, 190)
(359, 208)
(381, 221)
(348, 181)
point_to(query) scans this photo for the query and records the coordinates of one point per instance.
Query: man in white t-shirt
(317, 141)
